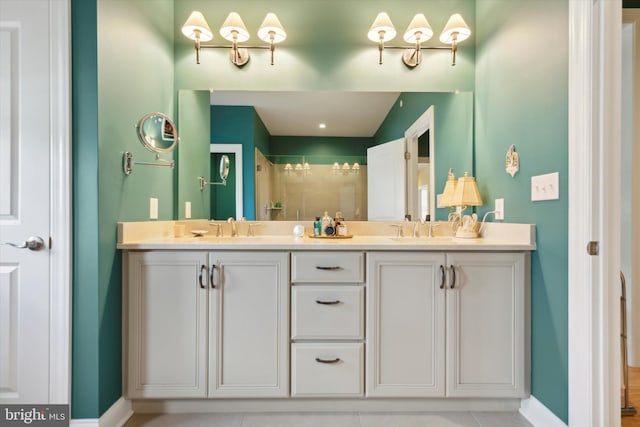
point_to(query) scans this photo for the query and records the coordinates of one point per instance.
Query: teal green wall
(194, 128)
(319, 149)
(85, 332)
(131, 81)
(223, 197)
(237, 125)
(522, 99)
(453, 131)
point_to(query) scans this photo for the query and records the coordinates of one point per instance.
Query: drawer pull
(453, 277)
(334, 302)
(319, 360)
(319, 267)
(442, 277)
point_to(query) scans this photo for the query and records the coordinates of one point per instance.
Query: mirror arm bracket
(128, 162)
(204, 183)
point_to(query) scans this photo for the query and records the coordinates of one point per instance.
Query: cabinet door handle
(334, 268)
(202, 269)
(211, 277)
(329, 361)
(334, 302)
(452, 282)
(442, 276)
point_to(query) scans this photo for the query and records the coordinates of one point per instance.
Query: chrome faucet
(431, 225)
(234, 228)
(400, 231)
(416, 228)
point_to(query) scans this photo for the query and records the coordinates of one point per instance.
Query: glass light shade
(455, 25)
(306, 166)
(271, 24)
(288, 167)
(298, 167)
(194, 23)
(419, 26)
(233, 24)
(449, 191)
(381, 23)
(345, 166)
(356, 166)
(467, 193)
(335, 166)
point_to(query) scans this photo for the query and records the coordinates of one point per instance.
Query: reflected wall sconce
(233, 29)
(419, 31)
(299, 168)
(345, 168)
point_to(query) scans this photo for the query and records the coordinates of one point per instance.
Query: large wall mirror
(304, 153)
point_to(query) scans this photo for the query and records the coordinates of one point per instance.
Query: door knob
(34, 243)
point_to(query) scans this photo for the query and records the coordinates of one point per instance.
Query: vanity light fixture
(345, 168)
(419, 31)
(233, 29)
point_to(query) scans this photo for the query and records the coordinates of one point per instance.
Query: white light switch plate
(499, 208)
(153, 208)
(545, 187)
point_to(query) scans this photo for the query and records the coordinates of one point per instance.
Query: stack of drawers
(327, 324)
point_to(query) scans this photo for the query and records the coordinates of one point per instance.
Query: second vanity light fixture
(419, 31)
(233, 30)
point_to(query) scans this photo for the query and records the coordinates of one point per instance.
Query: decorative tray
(348, 236)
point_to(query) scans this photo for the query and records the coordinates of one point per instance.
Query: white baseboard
(115, 416)
(538, 414)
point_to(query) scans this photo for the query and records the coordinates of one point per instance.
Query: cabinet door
(405, 324)
(486, 325)
(167, 325)
(249, 324)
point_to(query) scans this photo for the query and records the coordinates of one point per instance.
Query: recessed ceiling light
(322, 125)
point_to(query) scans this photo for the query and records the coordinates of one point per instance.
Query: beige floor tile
(444, 419)
(501, 419)
(185, 420)
(301, 420)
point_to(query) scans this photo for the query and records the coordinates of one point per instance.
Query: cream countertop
(278, 235)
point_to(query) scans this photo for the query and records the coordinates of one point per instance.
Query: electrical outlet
(545, 187)
(499, 208)
(187, 210)
(153, 208)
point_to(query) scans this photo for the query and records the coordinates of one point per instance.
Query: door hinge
(592, 248)
(407, 155)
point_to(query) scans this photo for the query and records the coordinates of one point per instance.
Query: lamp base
(411, 57)
(467, 234)
(242, 58)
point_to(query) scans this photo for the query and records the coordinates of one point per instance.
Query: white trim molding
(116, 416)
(60, 206)
(594, 183)
(538, 414)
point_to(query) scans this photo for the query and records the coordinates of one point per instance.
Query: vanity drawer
(327, 267)
(324, 370)
(327, 312)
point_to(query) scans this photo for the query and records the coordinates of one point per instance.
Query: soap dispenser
(326, 222)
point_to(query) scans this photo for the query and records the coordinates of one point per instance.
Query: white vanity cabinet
(327, 324)
(207, 324)
(447, 324)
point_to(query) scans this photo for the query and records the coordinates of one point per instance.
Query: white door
(249, 324)
(386, 181)
(167, 324)
(405, 324)
(24, 201)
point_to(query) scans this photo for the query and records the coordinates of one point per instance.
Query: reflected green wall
(453, 136)
(522, 99)
(223, 197)
(194, 128)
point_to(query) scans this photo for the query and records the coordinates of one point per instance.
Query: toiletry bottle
(317, 227)
(326, 222)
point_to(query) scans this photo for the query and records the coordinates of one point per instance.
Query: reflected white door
(386, 181)
(24, 201)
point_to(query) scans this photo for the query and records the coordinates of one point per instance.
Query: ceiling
(346, 114)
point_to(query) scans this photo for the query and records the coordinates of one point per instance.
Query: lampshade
(455, 25)
(467, 193)
(271, 24)
(382, 24)
(419, 26)
(449, 191)
(196, 22)
(233, 24)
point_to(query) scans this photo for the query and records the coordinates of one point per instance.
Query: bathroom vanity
(407, 321)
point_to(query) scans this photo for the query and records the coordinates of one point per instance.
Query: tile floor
(431, 419)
